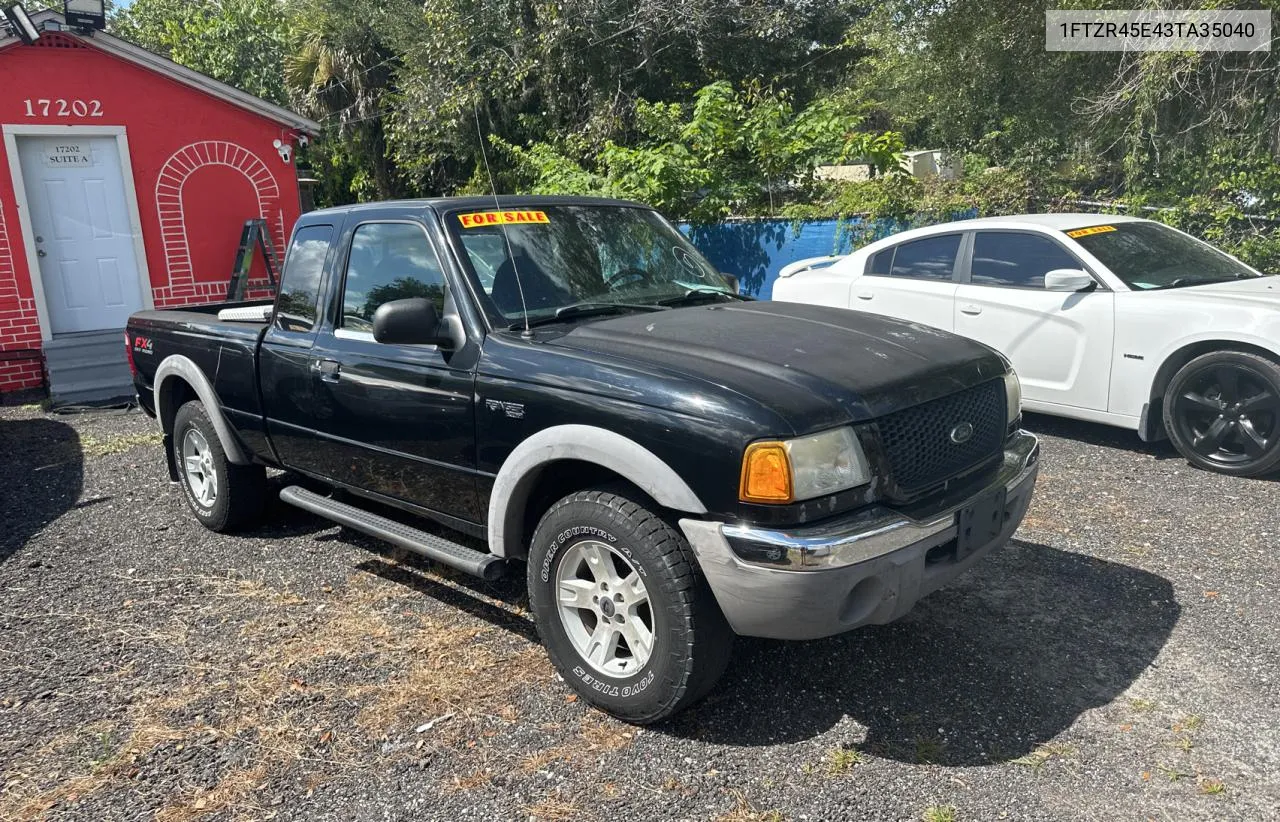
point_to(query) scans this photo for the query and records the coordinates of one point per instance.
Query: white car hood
(1258, 292)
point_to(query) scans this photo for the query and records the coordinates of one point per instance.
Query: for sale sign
(484, 218)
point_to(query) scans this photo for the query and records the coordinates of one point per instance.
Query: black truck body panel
(430, 429)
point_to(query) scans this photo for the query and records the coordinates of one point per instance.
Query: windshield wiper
(1185, 282)
(584, 309)
(694, 295)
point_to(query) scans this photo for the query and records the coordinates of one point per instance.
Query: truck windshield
(544, 259)
(1150, 255)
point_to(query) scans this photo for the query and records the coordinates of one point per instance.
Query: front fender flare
(176, 366)
(627, 458)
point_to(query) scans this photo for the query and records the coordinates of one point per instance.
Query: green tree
(240, 42)
(342, 70)
(730, 152)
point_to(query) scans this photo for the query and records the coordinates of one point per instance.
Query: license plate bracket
(979, 523)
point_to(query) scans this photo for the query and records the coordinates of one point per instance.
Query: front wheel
(1222, 412)
(624, 613)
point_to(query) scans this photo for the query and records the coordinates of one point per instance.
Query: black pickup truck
(569, 381)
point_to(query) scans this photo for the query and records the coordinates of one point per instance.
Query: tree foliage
(240, 42)
(730, 152)
(410, 90)
(710, 109)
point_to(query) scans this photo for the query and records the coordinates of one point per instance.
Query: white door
(911, 281)
(1059, 343)
(80, 223)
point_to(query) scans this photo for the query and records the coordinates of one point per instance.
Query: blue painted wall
(756, 250)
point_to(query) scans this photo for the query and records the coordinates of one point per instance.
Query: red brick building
(125, 180)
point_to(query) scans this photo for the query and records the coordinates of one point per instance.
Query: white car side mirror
(1069, 279)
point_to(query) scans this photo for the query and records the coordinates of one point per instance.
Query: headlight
(781, 471)
(1012, 396)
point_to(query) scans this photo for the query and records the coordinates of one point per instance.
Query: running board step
(485, 566)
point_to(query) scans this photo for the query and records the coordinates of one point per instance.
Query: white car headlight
(1012, 396)
(803, 468)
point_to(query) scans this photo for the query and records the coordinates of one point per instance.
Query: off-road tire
(241, 489)
(692, 642)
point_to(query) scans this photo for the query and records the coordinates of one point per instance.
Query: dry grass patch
(596, 736)
(99, 774)
(92, 446)
(553, 807)
(355, 646)
(231, 790)
(1043, 753)
(744, 811)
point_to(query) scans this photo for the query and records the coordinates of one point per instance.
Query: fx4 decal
(514, 410)
(143, 345)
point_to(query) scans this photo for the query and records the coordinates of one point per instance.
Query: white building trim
(11, 135)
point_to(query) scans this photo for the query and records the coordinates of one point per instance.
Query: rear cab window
(297, 305)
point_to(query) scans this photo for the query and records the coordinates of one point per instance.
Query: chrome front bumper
(866, 568)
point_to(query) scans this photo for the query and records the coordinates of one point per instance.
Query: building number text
(63, 108)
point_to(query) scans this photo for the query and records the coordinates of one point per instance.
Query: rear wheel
(622, 609)
(222, 495)
(1222, 412)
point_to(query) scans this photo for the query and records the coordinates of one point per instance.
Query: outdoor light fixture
(85, 14)
(21, 24)
(283, 149)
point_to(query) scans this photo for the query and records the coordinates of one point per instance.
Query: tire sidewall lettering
(568, 535)
(609, 689)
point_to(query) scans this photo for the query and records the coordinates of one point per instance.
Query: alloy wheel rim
(197, 462)
(604, 607)
(1228, 414)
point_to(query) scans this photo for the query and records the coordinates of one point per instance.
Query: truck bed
(200, 317)
(224, 350)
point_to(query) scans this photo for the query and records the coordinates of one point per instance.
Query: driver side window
(388, 261)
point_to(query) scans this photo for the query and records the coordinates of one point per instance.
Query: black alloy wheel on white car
(223, 496)
(622, 608)
(1222, 412)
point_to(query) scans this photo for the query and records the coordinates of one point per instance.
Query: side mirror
(1069, 279)
(411, 321)
(732, 281)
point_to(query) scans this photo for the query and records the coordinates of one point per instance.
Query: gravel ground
(1118, 661)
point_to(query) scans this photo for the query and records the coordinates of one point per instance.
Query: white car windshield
(550, 262)
(1150, 256)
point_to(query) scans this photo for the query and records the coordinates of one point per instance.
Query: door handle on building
(973, 310)
(327, 369)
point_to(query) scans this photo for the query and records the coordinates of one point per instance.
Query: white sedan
(1111, 319)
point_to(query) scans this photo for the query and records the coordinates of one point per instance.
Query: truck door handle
(866, 295)
(327, 369)
(973, 310)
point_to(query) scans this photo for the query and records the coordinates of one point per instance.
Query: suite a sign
(67, 154)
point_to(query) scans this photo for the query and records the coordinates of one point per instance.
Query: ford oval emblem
(962, 433)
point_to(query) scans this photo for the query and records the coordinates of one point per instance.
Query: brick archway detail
(173, 176)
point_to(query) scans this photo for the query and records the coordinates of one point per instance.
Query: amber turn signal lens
(766, 473)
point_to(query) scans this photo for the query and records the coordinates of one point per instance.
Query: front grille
(918, 445)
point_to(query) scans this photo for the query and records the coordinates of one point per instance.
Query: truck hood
(814, 366)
